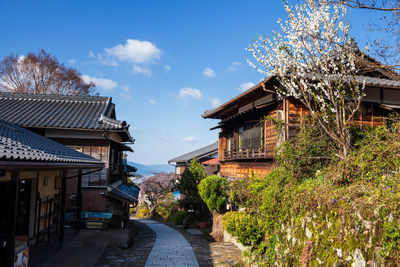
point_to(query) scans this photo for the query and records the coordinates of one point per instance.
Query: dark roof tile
(199, 153)
(59, 111)
(17, 143)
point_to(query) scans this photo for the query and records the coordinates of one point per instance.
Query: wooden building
(202, 155)
(87, 124)
(247, 140)
(33, 180)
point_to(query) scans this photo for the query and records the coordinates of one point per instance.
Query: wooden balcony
(261, 152)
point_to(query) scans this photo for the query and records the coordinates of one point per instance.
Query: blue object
(128, 192)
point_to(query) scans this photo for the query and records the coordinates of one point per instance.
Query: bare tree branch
(41, 74)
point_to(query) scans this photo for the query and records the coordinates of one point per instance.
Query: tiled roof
(372, 81)
(59, 111)
(17, 143)
(199, 153)
(369, 81)
(129, 192)
(213, 161)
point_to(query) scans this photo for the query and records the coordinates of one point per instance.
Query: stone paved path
(170, 248)
(136, 255)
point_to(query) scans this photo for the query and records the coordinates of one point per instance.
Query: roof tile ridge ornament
(107, 120)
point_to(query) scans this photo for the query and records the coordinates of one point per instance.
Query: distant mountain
(147, 170)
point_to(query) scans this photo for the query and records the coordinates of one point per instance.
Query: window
(230, 144)
(250, 135)
(241, 137)
(98, 178)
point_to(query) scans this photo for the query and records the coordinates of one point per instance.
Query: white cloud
(245, 86)
(209, 72)
(141, 70)
(151, 101)
(215, 102)
(72, 61)
(125, 92)
(162, 138)
(106, 61)
(91, 54)
(189, 93)
(135, 51)
(126, 88)
(189, 139)
(106, 84)
(234, 66)
(167, 68)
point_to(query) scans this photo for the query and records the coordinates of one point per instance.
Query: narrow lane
(170, 248)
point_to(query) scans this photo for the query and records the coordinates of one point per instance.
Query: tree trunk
(217, 227)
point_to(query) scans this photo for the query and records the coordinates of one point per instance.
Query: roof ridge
(54, 97)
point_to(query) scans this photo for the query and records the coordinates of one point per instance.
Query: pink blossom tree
(155, 188)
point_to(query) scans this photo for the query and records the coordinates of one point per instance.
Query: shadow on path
(136, 255)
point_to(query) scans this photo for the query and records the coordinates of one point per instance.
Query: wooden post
(12, 220)
(79, 201)
(39, 219)
(62, 209)
(50, 214)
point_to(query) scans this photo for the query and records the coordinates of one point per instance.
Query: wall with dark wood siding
(93, 199)
(293, 113)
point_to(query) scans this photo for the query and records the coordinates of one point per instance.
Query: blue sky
(163, 62)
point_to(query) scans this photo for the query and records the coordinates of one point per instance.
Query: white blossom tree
(314, 59)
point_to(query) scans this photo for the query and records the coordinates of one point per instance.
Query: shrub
(368, 162)
(143, 211)
(239, 192)
(391, 239)
(308, 152)
(167, 206)
(179, 217)
(188, 182)
(248, 228)
(213, 191)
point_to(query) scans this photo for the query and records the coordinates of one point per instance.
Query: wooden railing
(261, 152)
(265, 151)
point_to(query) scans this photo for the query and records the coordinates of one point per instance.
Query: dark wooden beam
(79, 201)
(12, 220)
(62, 207)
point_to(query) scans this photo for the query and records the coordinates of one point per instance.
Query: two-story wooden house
(247, 140)
(87, 124)
(34, 171)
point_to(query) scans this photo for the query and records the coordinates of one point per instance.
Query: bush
(367, 161)
(391, 239)
(303, 192)
(167, 206)
(188, 182)
(248, 228)
(179, 217)
(143, 211)
(239, 192)
(213, 191)
(307, 153)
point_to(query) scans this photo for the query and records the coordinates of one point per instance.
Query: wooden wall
(93, 199)
(244, 169)
(293, 114)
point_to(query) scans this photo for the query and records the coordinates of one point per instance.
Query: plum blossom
(314, 58)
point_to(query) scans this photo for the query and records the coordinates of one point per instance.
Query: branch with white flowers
(314, 58)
